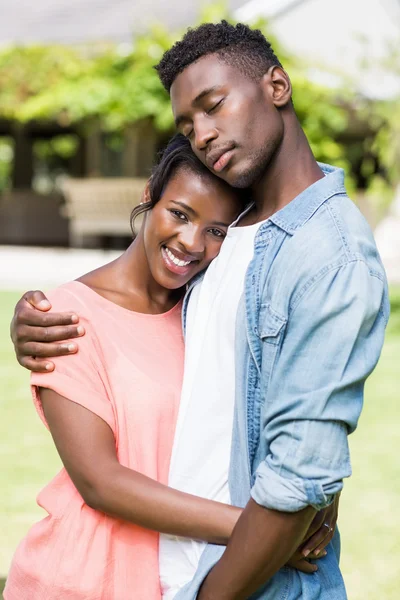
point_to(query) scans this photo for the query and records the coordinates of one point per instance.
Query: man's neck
(292, 170)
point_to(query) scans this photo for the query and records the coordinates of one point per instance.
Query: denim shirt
(309, 331)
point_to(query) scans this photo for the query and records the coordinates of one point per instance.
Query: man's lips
(218, 159)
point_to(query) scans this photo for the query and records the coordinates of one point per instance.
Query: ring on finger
(329, 527)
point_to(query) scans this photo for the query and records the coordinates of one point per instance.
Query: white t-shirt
(201, 453)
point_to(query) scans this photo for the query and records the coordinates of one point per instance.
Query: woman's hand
(36, 332)
(318, 537)
(322, 530)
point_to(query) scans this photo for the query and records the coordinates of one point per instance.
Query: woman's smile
(177, 262)
(183, 231)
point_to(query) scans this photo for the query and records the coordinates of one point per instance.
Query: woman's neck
(128, 282)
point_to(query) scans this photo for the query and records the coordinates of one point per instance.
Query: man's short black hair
(237, 45)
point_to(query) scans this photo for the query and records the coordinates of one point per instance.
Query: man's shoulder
(336, 236)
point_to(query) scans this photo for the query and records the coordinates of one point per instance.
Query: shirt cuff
(291, 494)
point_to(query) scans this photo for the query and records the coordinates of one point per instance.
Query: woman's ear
(146, 193)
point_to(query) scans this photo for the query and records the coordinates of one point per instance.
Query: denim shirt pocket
(271, 324)
(272, 327)
(270, 331)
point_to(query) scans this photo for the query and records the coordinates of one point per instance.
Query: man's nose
(204, 133)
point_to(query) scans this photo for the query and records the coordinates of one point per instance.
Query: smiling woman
(112, 408)
(185, 223)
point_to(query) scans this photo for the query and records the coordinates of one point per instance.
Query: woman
(112, 409)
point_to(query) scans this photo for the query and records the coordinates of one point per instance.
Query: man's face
(231, 120)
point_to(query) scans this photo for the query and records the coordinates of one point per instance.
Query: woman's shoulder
(76, 298)
(73, 296)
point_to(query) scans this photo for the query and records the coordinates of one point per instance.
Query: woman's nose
(193, 241)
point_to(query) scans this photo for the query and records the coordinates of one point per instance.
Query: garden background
(62, 102)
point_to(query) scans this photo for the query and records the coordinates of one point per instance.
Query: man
(281, 332)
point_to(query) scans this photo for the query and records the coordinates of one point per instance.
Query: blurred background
(82, 116)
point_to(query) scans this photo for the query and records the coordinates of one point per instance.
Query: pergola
(27, 217)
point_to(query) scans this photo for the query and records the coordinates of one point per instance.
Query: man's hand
(36, 332)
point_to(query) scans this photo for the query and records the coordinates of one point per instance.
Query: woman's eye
(217, 233)
(179, 215)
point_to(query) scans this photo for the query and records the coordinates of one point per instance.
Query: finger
(325, 542)
(27, 316)
(35, 349)
(36, 366)
(319, 519)
(306, 567)
(37, 299)
(26, 333)
(316, 541)
(315, 556)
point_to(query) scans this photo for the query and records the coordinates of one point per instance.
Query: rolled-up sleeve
(332, 342)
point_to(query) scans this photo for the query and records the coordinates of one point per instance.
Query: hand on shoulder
(38, 333)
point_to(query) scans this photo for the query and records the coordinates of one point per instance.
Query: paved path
(23, 268)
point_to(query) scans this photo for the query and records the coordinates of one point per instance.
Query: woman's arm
(86, 446)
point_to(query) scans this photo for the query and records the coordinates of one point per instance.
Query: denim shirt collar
(292, 216)
(295, 214)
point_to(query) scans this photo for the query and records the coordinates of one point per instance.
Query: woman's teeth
(175, 260)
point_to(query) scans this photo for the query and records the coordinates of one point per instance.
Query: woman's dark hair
(177, 155)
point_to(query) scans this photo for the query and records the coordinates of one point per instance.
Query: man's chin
(247, 174)
(240, 179)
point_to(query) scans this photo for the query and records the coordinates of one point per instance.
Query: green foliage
(324, 117)
(63, 146)
(30, 72)
(387, 141)
(6, 158)
(68, 86)
(81, 86)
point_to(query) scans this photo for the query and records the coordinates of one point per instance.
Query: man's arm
(36, 332)
(261, 543)
(332, 342)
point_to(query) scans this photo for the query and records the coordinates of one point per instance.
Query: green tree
(99, 84)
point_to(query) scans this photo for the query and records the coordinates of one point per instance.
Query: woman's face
(185, 229)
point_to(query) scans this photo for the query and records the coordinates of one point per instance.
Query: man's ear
(277, 84)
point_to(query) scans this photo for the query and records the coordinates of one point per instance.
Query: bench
(100, 206)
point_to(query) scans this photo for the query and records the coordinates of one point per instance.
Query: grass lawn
(369, 517)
